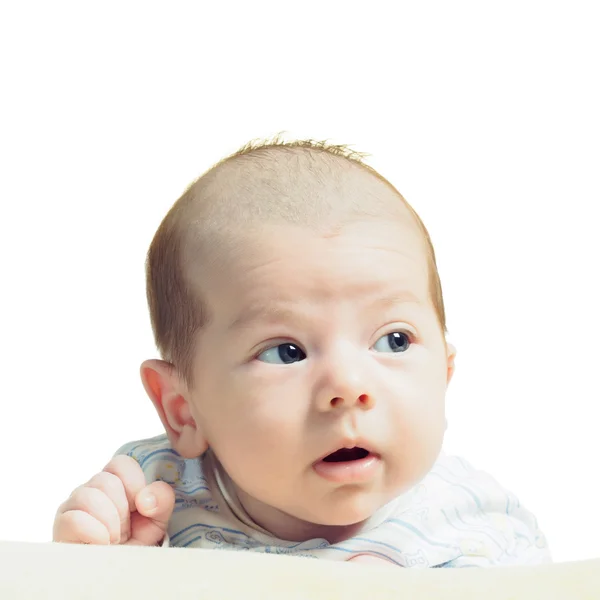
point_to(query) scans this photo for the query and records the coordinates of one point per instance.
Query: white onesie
(456, 516)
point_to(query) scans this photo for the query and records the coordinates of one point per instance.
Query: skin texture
(336, 294)
(334, 297)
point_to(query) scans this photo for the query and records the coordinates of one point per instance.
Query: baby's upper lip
(358, 442)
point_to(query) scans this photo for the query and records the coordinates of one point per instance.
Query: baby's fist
(116, 507)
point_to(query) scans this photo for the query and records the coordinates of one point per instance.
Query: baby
(296, 303)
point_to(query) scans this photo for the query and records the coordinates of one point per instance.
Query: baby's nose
(344, 378)
(344, 383)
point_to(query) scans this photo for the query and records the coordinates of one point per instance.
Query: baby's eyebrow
(403, 297)
(277, 314)
(262, 314)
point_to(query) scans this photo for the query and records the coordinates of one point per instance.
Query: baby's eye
(284, 354)
(392, 342)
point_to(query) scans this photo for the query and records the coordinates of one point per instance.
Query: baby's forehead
(289, 263)
(236, 203)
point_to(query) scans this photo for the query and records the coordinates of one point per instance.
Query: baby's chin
(335, 527)
(343, 514)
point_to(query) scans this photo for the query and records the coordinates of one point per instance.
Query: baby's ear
(451, 353)
(171, 398)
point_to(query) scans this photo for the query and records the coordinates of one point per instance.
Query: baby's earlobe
(451, 355)
(190, 442)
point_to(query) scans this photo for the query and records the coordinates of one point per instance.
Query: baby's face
(319, 344)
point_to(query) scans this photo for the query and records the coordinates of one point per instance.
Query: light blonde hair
(177, 310)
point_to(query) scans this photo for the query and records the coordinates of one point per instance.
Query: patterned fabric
(456, 516)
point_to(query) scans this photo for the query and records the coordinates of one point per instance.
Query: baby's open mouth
(349, 466)
(347, 454)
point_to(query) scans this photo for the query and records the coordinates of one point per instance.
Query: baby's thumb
(154, 505)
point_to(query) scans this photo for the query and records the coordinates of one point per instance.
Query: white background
(483, 114)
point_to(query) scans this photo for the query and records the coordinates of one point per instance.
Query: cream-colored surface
(53, 571)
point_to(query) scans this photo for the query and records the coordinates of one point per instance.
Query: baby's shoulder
(160, 462)
(454, 473)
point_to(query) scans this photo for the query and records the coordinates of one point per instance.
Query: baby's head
(296, 303)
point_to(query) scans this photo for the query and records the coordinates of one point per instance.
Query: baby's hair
(228, 192)
(278, 141)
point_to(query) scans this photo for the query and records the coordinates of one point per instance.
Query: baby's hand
(115, 507)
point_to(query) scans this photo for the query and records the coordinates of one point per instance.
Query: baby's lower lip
(351, 471)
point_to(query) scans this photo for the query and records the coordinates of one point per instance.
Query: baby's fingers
(113, 487)
(79, 527)
(131, 475)
(98, 506)
(155, 505)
